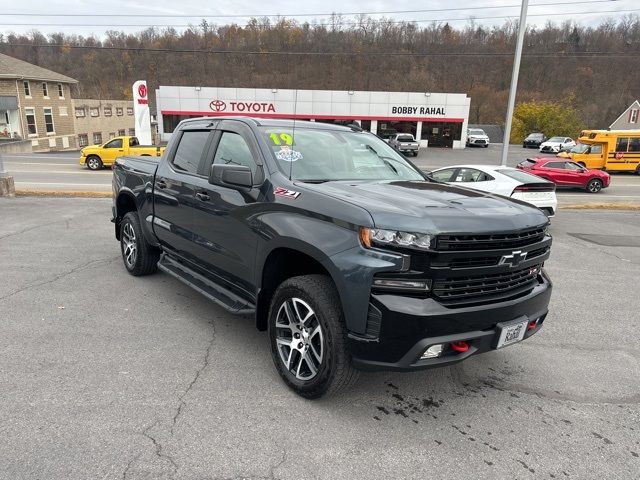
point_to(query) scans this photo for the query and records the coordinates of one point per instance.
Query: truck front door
(112, 150)
(224, 240)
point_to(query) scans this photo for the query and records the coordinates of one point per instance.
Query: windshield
(476, 131)
(405, 138)
(535, 136)
(521, 176)
(556, 139)
(580, 148)
(318, 155)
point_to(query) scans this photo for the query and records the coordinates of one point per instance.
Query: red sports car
(565, 173)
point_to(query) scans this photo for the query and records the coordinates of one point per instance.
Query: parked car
(340, 247)
(533, 140)
(505, 181)
(97, 157)
(565, 173)
(557, 144)
(405, 143)
(477, 137)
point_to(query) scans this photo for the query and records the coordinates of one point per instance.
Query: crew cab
(405, 143)
(97, 157)
(342, 250)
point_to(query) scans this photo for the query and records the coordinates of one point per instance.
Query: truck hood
(431, 207)
(90, 149)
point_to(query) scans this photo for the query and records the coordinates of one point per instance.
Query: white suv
(477, 137)
(557, 144)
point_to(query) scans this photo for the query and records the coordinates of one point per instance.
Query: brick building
(35, 104)
(97, 121)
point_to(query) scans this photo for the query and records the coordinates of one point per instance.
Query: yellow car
(100, 156)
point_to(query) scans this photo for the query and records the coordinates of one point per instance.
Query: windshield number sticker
(281, 139)
(283, 192)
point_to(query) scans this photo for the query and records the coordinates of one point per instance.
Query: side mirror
(231, 176)
(428, 174)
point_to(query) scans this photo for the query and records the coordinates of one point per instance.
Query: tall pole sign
(522, 28)
(141, 113)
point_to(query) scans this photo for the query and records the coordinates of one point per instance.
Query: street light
(522, 28)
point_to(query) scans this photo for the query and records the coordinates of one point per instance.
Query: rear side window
(521, 176)
(467, 175)
(528, 163)
(621, 145)
(554, 165)
(189, 152)
(443, 175)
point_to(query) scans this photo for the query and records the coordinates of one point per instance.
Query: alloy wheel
(594, 186)
(299, 339)
(130, 248)
(93, 163)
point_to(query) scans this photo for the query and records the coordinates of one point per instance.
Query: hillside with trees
(596, 69)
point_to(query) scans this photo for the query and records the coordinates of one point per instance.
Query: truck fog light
(401, 284)
(433, 351)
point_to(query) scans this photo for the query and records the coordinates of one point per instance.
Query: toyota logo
(218, 106)
(142, 90)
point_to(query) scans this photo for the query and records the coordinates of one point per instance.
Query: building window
(30, 113)
(45, 90)
(48, 120)
(119, 111)
(27, 89)
(132, 132)
(633, 116)
(112, 135)
(97, 138)
(129, 110)
(80, 113)
(60, 91)
(121, 133)
(63, 112)
(94, 111)
(107, 111)
(83, 140)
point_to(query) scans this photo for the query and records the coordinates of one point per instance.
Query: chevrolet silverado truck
(97, 157)
(340, 248)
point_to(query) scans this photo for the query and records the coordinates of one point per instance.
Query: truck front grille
(490, 242)
(474, 287)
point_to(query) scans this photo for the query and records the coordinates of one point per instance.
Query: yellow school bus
(611, 150)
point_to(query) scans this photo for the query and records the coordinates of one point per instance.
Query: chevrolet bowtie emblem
(514, 259)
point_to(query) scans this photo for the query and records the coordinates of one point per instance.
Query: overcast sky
(184, 12)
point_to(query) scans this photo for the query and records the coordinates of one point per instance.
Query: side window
(572, 166)
(634, 144)
(559, 165)
(233, 150)
(596, 149)
(443, 175)
(468, 175)
(115, 143)
(189, 151)
(621, 145)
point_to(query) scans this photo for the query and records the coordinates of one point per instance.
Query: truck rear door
(174, 191)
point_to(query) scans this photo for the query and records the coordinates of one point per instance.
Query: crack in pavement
(28, 229)
(195, 378)
(59, 276)
(128, 467)
(159, 450)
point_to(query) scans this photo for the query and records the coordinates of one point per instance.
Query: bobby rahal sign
(417, 110)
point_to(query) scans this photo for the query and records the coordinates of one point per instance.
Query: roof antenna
(293, 133)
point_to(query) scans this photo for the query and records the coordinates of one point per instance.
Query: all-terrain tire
(335, 372)
(144, 258)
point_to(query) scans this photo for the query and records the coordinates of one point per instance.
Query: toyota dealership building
(438, 119)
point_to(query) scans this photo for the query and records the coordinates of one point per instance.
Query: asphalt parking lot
(104, 375)
(60, 171)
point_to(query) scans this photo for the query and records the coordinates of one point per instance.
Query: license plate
(511, 333)
(536, 195)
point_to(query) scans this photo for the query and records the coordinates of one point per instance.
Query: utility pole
(522, 28)
(7, 187)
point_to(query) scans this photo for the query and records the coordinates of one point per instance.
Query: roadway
(60, 171)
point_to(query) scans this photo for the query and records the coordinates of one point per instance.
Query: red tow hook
(532, 325)
(460, 346)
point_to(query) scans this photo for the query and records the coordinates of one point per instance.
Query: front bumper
(549, 149)
(478, 141)
(410, 325)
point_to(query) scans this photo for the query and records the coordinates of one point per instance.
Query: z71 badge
(283, 192)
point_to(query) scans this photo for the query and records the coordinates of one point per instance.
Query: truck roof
(274, 122)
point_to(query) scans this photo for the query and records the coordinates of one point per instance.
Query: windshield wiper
(385, 159)
(314, 180)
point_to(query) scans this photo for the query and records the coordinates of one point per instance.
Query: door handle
(203, 196)
(161, 184)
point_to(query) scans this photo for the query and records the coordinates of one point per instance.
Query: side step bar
(220, 295)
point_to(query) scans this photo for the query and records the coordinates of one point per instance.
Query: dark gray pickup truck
(346, 253)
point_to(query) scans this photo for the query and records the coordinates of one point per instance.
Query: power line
(389, 12)
(360, 54)
(349, 23)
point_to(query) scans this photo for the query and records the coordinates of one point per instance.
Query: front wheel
(140, 258)
(308, 337)
(94, 162)
(594, 185)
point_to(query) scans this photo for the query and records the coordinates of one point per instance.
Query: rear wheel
(94, 162)
(140, 258)
(594, 185)
(308, 337)
(638, 169)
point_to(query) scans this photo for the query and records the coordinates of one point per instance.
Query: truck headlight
(370, 237)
